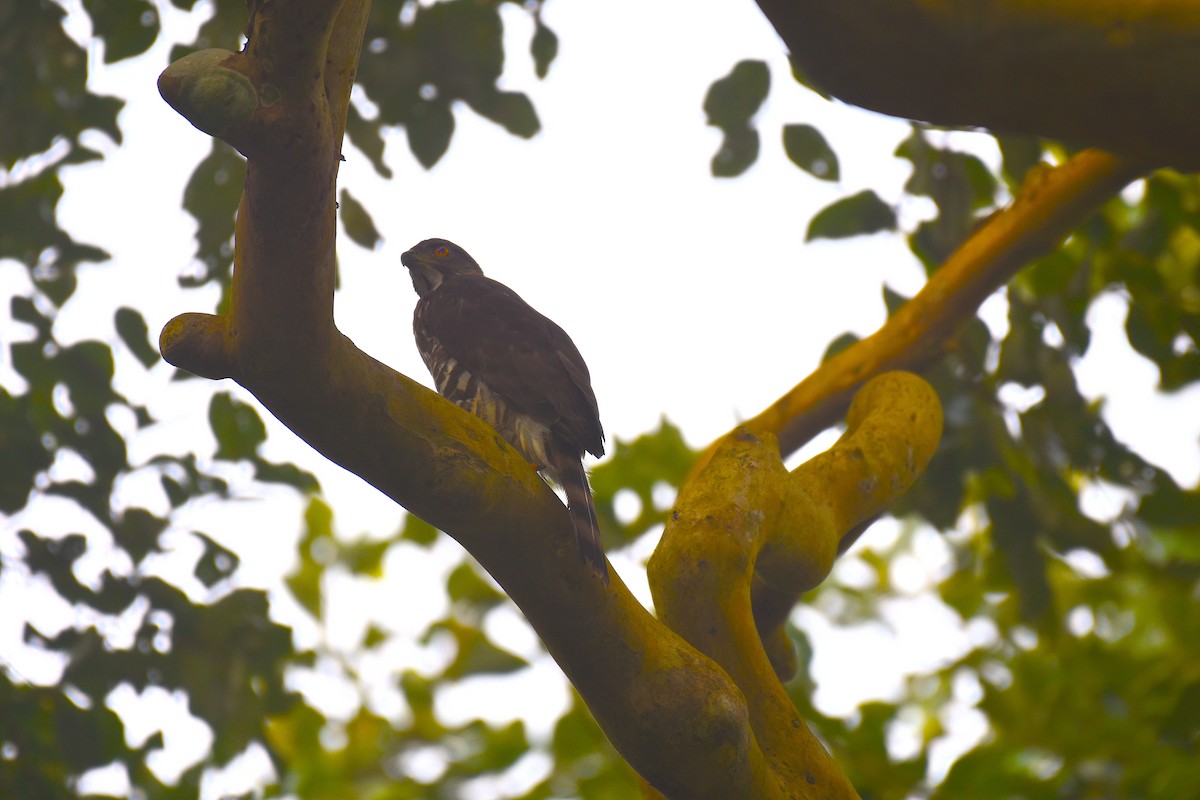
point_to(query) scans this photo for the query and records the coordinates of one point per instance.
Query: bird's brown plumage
(493, 354)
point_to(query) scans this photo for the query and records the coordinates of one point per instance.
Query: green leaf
(364, 557)
(655, 459)
(24, 310)
(466, 586)
(418, 531)
(211, 196)
(807, 149)
(859, 214)
(87, 369)
(137, 531)
(730, 104)
(46, 96)
(576, 734)
(476, 654)
(429, 131)
(55, 558)
(286, 473)
(731, 101)
(237, 426)
(839, 344)
(544, 47)
(374, 637)
(513, 110)
(23, 452)
(960, 184)
(893, 301)
(366, 136)
(357, 221)
(317, 549)
(216, 563)
(132, 329)
(736, 154)
(128, 27)
(1020, 155)
(222, 29)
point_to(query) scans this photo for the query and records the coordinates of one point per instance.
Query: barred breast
(463, 388)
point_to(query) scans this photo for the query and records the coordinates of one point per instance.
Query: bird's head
(434, 260)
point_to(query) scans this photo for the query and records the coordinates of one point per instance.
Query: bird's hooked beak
(425, 277)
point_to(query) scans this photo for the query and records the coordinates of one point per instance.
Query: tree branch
(1051, 203)
(282, 103)
(1122, 75)
(744, 515)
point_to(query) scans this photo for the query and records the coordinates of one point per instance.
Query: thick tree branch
(744, 515)
(1051, 203)
(282, 102)
(1123, 75)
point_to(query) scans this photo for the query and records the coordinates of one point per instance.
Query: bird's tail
(583, 514)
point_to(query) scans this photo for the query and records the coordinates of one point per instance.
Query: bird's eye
(441, 251)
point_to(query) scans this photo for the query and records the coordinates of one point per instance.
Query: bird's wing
(517, 352)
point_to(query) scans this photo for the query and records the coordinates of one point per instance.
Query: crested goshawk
(492, 354)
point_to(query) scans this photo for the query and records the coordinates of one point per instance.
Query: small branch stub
(208, 93)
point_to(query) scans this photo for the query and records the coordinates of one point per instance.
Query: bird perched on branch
(491, 353)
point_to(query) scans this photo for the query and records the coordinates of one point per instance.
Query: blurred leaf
(374, 637)
(736, 154)
(357, 221)
(544, 47)
(289, 474)
(364, 557)
(1020, 154)
(24, 310)
(429, 130)
(493, 750)
(211, 196)
(30, 234)
(230, 657)
(67, 739)
(223, 29)
(731, 101)
(512, 110)
(476, 654)
(55, 558)
(730, 104)
(465, 585)
(859, 214)
(87, 370)
(366, 136)
(131, 327)
(654, 461)
(418, 531)
(807, 149)
(36, 45)
(138, 531)
(576, 733)
(838, 345)
(960, 184)
(128, 27)
(237, 426)
(421, 59)
(217, 562)
(317, 549)
(23, 450)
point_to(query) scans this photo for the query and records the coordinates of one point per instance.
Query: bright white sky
(689, 296)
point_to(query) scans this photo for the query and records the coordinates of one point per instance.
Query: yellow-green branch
(743, 518)
(1051, 204)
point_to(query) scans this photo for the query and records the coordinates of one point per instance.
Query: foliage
(1085, 657)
